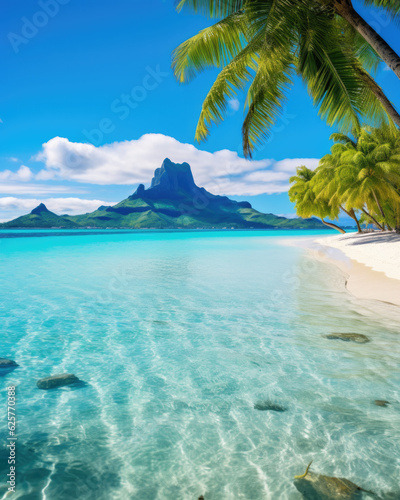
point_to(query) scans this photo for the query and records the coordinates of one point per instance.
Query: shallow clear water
(178, 335)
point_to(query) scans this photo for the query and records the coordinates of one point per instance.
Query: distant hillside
(173, 201)
(40, 217)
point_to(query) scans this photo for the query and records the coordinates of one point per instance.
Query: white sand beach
(371, 260)
(379, 251)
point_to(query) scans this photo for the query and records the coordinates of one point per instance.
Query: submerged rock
(7, 363)
(318, 487)
(268, 406)
(201, 497)
(381, 402)
(57, 381)
(359, 338)
(391, 496)
(7, 366)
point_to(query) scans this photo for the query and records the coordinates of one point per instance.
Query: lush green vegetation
(360, 177)
(260, 45)
(40, 217)
(165, 214)
(162, 207)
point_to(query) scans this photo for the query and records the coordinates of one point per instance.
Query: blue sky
(66, 75)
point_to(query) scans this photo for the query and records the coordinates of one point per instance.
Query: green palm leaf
(331, 57)
(212, 8)
(266, 97)
(391, 7)
(212, 47)
(232, 78)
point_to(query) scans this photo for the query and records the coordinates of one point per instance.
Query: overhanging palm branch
(263, 43)
(330, 55)
(391, 7)
(212, 8)
(328, 72)
(232, 78)
(266, 97)
(215, 46)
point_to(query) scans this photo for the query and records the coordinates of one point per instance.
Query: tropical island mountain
(173, 201)
(41, 217)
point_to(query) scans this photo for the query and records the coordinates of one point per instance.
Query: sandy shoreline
(371, 261)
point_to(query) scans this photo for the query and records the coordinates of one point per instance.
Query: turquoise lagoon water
(177, 335)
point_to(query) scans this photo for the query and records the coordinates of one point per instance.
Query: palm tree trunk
(357, 222)
(333, 226)
(373, 219)
(344, 8)
(381, 209)
(352, 214)
(380, 95)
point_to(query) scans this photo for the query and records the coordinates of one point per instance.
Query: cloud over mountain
(65, 166)
(132, 162)
(57, 205)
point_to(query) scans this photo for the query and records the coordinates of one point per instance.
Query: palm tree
(370, 172)
(307, 203)
(363, 173)
(328, 185)
(261, 45)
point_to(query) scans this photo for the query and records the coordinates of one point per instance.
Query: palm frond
(275, 19)
(391, 7)
(355, 44)
(342, 139)
(329, 74)
(214, 46)
(232, 78)
(376, 105)
(332, 58)
(265, 97)
(212, 8)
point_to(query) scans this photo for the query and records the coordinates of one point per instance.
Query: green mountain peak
(40, 209)
(173, 201)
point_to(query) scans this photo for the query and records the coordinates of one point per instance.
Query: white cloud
(234, 187)
(22, 182)
(72, 206)
(13, 158)
(133, 162)
(234, 104)
(24, 174)
(290, 164)
(252, 184)
(264, 176)
(36, 189)
(288, 216)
